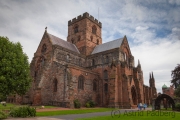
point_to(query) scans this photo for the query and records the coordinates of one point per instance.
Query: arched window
(94, 29)
(105, 87)
(97, 42)
(81, 82)
(94, 85)
(105, 75)
(67, 58)
(72, 40)
(55, 85)
(75, 29)
(44, 48)
(125, 57)
(91, 38)
(93, 62)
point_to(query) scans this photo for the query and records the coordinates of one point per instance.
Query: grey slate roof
(108, 46)
(57, 41)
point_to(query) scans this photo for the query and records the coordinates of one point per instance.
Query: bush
(87, 105)
(177, 106)
(77, 104)
(23, 112)
(2, 115)
(90, 103)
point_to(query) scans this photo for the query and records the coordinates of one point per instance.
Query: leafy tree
(176, 76)
(14, 69)
(177, 91)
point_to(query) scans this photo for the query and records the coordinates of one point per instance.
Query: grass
(76, 111)
(148, 115)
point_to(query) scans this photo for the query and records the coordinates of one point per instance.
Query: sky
(151, 27)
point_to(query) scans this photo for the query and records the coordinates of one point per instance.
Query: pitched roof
(108, 46)
(58, 41)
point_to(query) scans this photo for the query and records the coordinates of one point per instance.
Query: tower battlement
(85, 15)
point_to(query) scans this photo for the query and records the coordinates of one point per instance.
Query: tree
(14, 69)
(177, 91)
(176, 76)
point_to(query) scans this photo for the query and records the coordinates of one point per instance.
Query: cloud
(152, 27)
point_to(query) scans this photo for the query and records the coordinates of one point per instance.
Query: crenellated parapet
(85, 15)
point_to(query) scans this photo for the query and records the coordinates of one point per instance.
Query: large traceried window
(81, 82)
(94, 85)
(44, 48)
(55, 82)
(105, 87)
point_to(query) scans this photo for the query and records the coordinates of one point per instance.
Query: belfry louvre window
(55, 85)
(81, 82)
(76, 29)
(94, 29)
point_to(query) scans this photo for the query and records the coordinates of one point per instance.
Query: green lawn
(7, 107)
(76, 111)
(148, 115)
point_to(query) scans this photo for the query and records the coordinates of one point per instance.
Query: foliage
(177, 91)
(23, 112)
(177, 106)
(14, 72)
(75, 111)
(87, 105)
(90, 103)
(176, 76)
(77, 104)
(2, 115)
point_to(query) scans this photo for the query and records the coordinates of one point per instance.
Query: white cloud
(139, 20)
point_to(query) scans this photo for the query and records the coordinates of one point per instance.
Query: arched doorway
(167, 101)
(134, 95)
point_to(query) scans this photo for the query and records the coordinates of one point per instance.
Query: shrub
(177, 106)
(23, 112)
(2, 115)
(77, 104)
(87, 105)
(90, 103)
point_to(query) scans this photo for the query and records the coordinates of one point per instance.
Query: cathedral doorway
(134, 95)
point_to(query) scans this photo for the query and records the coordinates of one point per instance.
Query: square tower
(85, 32)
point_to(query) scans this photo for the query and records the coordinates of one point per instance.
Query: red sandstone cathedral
(85, 69)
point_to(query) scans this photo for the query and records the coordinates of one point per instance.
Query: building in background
(168, 90)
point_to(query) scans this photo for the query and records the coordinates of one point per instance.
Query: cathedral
(86, 69)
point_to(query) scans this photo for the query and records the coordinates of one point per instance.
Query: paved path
(75, 116)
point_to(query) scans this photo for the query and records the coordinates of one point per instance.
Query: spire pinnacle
(138, 62)
(152, 76)
(46, 29)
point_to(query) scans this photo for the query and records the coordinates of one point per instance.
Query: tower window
(76, 29)
(94, 29)
(107, 59)
(81, 82)
(67, 58)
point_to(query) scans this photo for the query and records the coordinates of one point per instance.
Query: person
(144, 106)
(140, 106)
